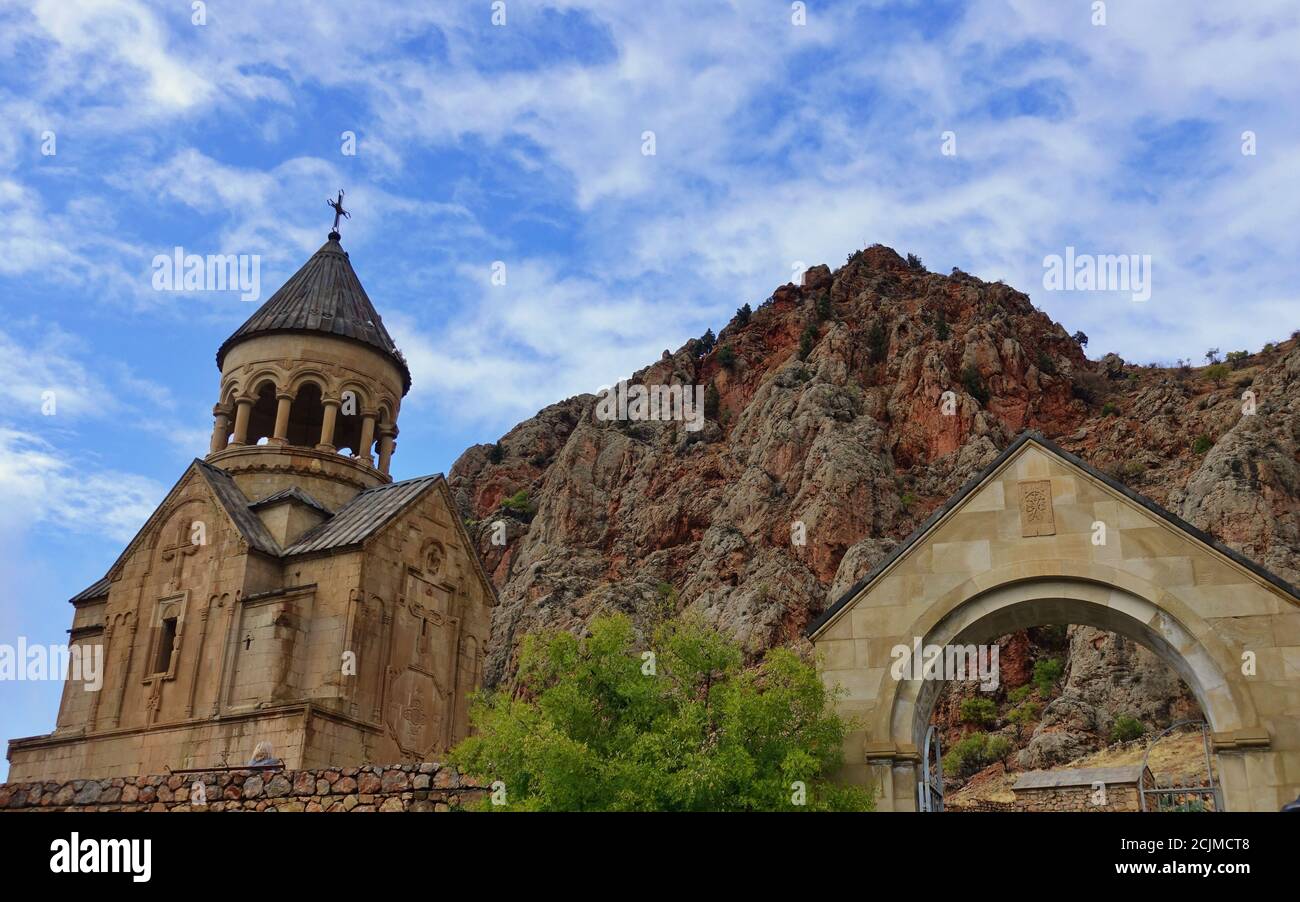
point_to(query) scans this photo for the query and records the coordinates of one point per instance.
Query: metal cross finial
(338, 210)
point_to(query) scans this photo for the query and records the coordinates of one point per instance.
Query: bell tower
(310, 388)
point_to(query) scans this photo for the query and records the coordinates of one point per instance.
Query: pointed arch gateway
(1040, 537)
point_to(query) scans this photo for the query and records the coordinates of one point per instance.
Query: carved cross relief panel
(423, 669)
(1036, 515)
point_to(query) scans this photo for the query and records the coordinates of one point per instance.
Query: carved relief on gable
(422, 675)
(181, 546)
(1036, 515)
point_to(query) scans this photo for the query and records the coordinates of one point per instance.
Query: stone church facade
(286, 590)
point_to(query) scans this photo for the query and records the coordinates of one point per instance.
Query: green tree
(877, 342)
(1126, 728)
(597, 724)
(726, 357)
(974, 385)
(1217, 373)
(520, 503)
(1047, 671)
(743, 314)
(978, 710)
(1024, 714)
(707, 341)
(974, 753)
(807, 341)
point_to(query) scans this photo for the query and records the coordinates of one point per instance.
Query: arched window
(305, 416)
(261, 419)
(347, 426)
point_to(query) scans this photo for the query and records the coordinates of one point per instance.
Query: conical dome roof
(326, 296)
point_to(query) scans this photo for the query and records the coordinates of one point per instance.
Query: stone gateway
(1020, 546)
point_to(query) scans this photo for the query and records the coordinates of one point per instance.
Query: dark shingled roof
(97, 589)
(974, 482)
(236, 504)
(293, 493)
(324, 296)
(362, 516)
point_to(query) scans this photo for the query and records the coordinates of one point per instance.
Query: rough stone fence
(403, 787)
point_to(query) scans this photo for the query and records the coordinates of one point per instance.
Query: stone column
(243, 407)
(220, 429)
(387, 444)
(327, 425)
(367, 436)
(283, 401)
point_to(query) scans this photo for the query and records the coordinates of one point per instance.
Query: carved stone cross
(183, 548)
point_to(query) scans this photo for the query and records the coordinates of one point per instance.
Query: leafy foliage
(707, 341)
(597, 725)
(1019, 694)
(726, 357)
(520, 503)
(974, 385)
(941, 325)
(974, 753)
(1047, 672)
(743, 313)
(1089, 387)
(1202, 444)
(1024, 714)
(978, 710)
(807, 340)
(877, 342)
(1217, 373)
(1126, 728)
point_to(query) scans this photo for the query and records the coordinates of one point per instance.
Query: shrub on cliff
(601, 723)
(1047, 672)
(1126, 728)
(974, 753)
(978, 710)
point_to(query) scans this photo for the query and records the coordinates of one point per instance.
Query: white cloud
(41, 485)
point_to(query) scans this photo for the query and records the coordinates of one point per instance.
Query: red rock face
(848, 408)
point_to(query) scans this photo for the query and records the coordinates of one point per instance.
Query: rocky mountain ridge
(826, 407)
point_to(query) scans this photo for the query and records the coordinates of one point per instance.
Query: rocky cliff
(826, 407)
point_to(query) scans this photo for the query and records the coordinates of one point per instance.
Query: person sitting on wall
(264, 756)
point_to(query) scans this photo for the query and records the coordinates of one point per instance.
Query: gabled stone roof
(293, 493)
(325, 296)
(236, 504)
(97, 589)
(354, 523)
(1080, 776)
(363, 515)
(978, 479)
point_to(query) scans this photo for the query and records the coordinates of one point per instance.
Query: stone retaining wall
(405, 787)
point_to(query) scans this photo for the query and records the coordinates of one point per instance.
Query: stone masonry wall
(405, 787)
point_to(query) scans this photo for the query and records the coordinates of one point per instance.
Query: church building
(286, 590)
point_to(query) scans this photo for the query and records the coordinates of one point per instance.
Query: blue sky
(776, 144)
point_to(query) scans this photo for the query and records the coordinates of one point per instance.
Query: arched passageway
(1038, 538)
